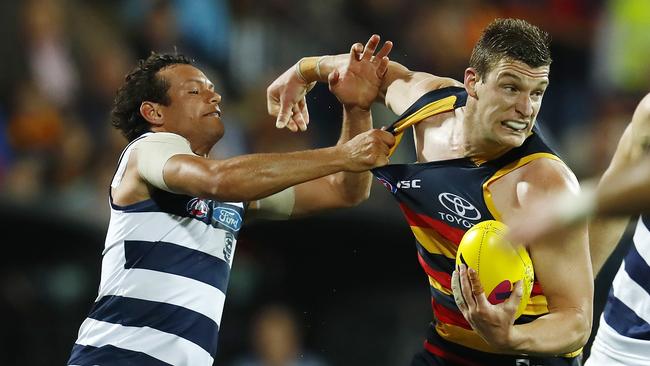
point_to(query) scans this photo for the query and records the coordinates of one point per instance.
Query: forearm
(250, 177)
(255, 176)
(625, 193)
(556, 333)
(353, 187)
(604, 234)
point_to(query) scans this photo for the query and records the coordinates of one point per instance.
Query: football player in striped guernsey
(623, 336)
(480, 156)
(176, 213)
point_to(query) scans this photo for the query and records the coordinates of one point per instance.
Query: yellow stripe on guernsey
(431, 109)
(505, 170)
(438, 286)
(434, 243)
(537, 304)
(471, 339)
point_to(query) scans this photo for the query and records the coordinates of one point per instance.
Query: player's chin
(514, 139)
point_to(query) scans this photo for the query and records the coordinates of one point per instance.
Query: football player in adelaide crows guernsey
(176, 213)
(479, 157)
(623, 336)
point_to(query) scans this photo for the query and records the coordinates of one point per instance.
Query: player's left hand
(357, 83)
(285, 98)
(494, 323)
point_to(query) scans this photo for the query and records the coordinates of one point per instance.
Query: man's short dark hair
(142, 84)
(511, 39)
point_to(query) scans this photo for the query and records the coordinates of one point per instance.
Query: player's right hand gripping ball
(498, 263)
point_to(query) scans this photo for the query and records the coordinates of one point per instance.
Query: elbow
(581, 331)
(358, 197)
(350, 192)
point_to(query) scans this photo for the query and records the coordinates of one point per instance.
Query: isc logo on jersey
(463, 211)
(402, 184)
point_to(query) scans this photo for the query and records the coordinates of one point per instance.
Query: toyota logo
(459, 206)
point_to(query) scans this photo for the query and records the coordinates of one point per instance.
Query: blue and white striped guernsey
(623, 336)
(165, 270)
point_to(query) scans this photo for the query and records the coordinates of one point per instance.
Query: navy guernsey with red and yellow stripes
(441, 200)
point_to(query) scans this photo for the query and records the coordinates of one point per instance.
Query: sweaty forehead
(518, 69)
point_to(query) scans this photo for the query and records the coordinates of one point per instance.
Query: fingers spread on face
(355, 52)
(371, 47)
(385, 50)
(383, 67)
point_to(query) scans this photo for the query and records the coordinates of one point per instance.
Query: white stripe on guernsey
(161, 345)
(642, 241)
(631, 294)
(169, 288)
(612, 346)
(160, 226)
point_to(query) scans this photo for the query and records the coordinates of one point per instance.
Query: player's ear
(151, 112)
(471, 78)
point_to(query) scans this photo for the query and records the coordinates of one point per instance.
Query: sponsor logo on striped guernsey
(227, 217)
(198, 208)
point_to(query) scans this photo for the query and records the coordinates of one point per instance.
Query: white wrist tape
(278, 206)
(153, 152)
(579, 207)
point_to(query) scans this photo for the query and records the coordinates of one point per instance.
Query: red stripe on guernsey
(537, 289)
(415, 219)
(448, 356)
(449, 316)
(443, 278)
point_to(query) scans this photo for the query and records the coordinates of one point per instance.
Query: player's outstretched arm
(254, 176)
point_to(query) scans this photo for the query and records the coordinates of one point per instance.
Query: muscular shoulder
(540, 179)
(407, 86)
(545, 177)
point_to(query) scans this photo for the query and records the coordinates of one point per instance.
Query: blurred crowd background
(340, 288)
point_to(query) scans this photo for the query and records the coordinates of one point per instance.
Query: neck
(200, 150)
(476, 146)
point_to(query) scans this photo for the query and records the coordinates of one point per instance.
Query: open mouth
(213, 114)
(515, 125)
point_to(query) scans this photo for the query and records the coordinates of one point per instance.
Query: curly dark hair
(513, 39)
(142, 84)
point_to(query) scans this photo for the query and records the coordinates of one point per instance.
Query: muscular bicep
(191, 175)
(404, 86)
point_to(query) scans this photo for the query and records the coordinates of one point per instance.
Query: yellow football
(498, 263)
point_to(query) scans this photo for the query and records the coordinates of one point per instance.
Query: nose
(524, 106)
(215, 98)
